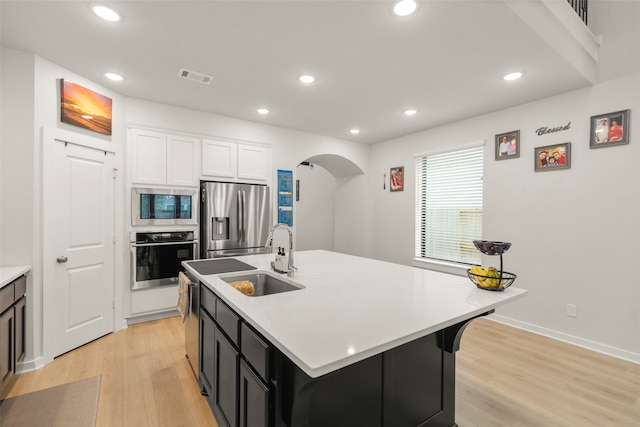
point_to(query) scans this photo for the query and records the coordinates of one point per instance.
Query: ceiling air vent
(195, 76)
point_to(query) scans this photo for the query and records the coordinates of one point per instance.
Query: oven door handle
(143, 245)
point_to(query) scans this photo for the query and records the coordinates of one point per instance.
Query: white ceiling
(445, 61)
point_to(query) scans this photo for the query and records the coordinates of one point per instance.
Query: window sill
(441, 266)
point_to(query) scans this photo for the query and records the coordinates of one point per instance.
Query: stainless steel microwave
(164, 206)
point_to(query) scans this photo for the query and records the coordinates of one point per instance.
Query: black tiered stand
(489, 247)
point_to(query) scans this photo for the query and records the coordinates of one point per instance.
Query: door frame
(50, 135)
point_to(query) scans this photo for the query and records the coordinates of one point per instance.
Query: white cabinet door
(148, 157)
(254, 162)
(219, 158)
(182, 163)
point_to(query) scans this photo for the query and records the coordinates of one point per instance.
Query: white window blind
(449, 205)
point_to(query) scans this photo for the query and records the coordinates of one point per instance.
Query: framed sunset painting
(84, 108)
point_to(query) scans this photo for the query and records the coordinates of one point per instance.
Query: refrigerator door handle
(244, 216)
(241, 214)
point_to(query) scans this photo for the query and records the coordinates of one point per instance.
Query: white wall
(352, 215)
(16, 154)
(574, 232)
(315, 209)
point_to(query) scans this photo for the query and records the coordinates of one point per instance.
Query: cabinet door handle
(62, 259)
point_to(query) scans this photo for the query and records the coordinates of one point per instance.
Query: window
(449, 205)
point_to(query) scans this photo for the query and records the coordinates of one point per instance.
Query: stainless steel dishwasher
(192, 324)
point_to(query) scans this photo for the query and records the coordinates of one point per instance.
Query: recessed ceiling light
(106, 13)
(355, 131)
(512, 76)
(114, 77)
(262, 111)
(410, 112)
(306, 78)
(405, 7)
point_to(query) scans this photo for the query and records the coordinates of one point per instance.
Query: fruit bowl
(489, 247)
(492, 283)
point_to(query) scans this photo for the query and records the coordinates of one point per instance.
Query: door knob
(62, 259)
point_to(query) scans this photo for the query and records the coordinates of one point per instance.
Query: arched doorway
(323, 208)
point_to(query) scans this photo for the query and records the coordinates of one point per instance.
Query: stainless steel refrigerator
(234, 219)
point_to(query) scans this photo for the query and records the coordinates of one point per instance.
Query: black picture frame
(609, 129)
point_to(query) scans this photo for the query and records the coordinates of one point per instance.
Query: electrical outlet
(572, 310)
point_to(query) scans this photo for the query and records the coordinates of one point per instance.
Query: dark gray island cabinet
(235, 366)
(250, 383)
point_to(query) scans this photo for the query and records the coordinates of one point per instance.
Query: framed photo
(397, 179)
(84, 108)
(609, 129)
(508, 145)
(553, 157)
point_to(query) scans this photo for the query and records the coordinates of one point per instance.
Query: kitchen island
(364, 342)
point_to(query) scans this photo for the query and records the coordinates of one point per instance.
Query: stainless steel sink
(264, 282)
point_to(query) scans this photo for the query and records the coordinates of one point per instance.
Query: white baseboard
(123, 325)
(569, 339)
(32, 365)
(152, 316)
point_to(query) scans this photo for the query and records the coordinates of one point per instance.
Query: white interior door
(78, 262)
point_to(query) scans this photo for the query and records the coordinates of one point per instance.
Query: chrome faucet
(277, 264)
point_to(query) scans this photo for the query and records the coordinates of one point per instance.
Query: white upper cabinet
(219, 158)
(148, 157)
(235, 161)
(182, 160)
(161, 159)
(254, 162)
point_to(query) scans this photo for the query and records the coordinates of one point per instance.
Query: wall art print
(84, 108)
(553, 157)
(508, 145)
(397, 179)
(609, 129)
(285, 197)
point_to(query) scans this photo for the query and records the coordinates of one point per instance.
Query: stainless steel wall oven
(156, 257)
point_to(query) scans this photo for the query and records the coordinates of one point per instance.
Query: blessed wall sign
(545, 130)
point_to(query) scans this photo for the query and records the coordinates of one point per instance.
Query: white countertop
(9, 273)
(352, 308)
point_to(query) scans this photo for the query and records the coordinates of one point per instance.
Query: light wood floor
(509, 377)
(505, 377)
(146, 379)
